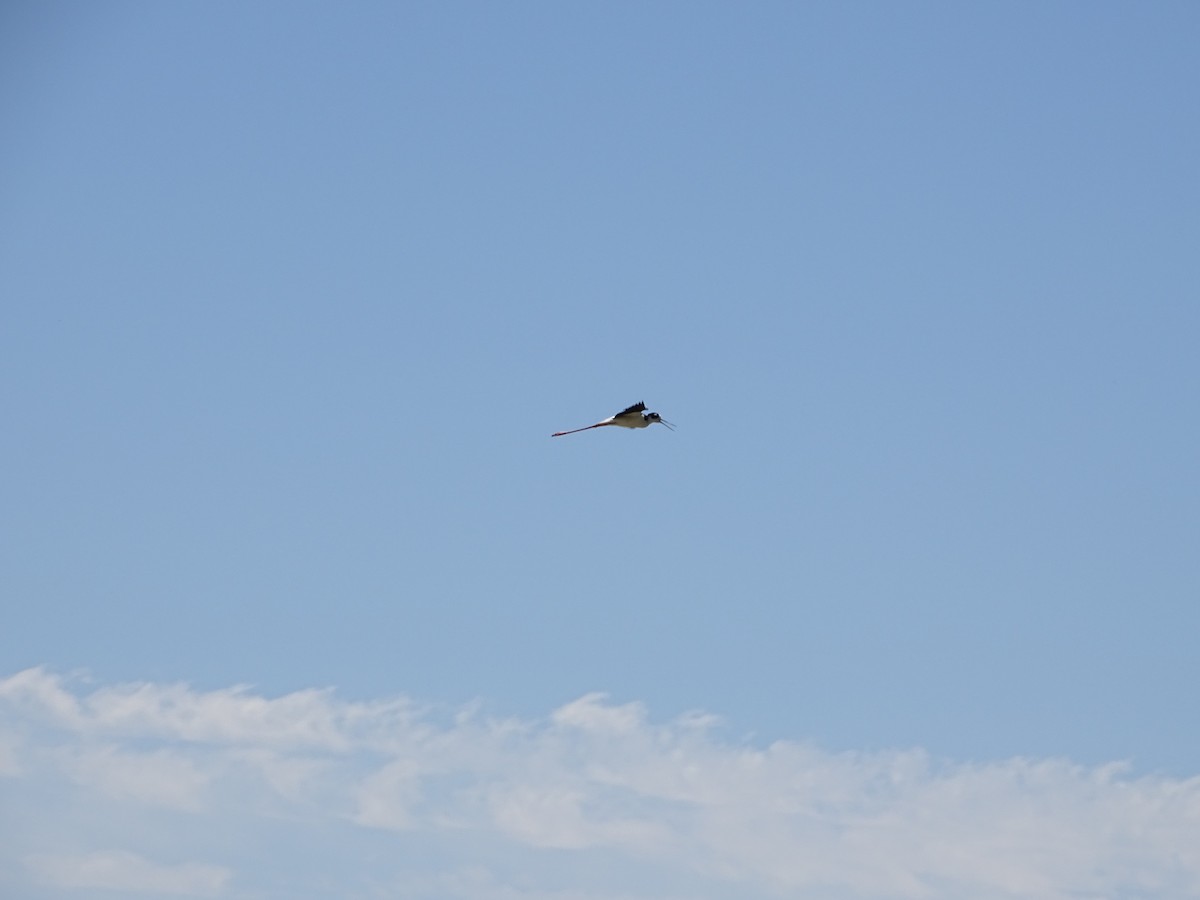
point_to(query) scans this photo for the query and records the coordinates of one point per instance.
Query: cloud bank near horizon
(163, 790)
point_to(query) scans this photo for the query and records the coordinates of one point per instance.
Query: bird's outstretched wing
(636, 408)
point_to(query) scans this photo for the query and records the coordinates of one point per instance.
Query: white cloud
(565, 816)
(591, 713)
(159, 778)
(385, 797)
(128, 872)
(595, 791)
(233, 716)
(8, 756)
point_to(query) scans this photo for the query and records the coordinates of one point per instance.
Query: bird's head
(655, 417)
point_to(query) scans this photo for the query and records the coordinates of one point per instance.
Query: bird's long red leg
(577, 430)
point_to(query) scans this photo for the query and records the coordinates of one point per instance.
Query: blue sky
(295, 294)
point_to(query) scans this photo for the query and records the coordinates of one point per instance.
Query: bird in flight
(634, 417)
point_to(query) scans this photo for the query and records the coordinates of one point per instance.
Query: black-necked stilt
(634, 417)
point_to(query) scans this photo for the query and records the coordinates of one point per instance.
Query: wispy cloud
(215, 793)
(128, 873)
(161, 777)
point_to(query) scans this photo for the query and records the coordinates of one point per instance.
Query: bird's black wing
(636, 408)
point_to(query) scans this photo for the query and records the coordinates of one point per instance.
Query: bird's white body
(628, 421)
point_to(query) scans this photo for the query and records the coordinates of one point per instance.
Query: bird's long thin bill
(665, 422)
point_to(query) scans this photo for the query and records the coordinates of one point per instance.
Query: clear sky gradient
(292, 296)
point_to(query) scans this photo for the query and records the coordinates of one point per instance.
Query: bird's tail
(577, 430)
